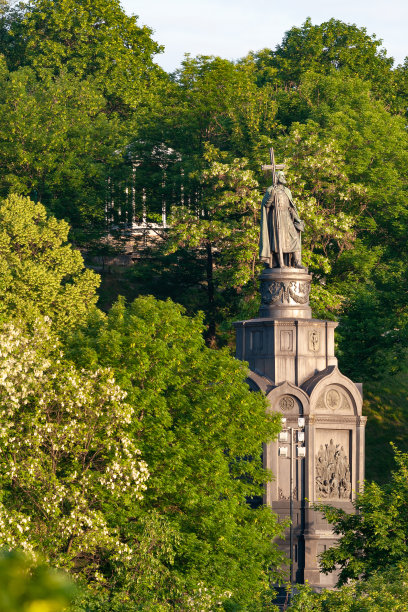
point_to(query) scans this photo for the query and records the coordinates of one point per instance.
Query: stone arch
(330, 391)
(287, 390)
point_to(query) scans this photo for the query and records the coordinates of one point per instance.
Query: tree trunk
(210, 336)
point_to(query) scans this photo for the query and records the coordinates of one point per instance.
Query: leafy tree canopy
(200, 430)
(223, 232)
(40, 273)
(382, 591)
(71, 476)
(89, 39)
(332, 46)
(58, 146)
(218, 102)
(346, 161)
(34, 587)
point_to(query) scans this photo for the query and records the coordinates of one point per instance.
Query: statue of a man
(281, 227)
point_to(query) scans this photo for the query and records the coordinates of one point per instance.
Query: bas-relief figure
(332, 472)
(281, 226)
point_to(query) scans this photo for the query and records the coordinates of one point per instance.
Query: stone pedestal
(285, 293)
(292, 361)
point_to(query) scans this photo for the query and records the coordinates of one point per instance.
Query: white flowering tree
(70, 475)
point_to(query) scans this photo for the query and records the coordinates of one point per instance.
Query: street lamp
(294, 437)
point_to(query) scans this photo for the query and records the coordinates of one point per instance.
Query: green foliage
(345, 153)
(71, 477)
(385, 405)
(79, 81)
(330, 47)
(40, 273)
(375, 538)
(218, 102)
(325, 197)
(24, 588)
(89, 39)
(57, 143)
(223, 231)
(372, 343)
(346, 168)
(383, 591)
(200, 430)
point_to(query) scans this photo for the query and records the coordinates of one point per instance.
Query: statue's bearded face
(281, 178)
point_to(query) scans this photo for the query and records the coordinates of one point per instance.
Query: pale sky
(231, 28)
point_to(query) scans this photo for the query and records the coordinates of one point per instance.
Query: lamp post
(294, 437)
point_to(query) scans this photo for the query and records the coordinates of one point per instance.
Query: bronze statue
(281, 226)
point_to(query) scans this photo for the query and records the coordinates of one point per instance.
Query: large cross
(272, 166)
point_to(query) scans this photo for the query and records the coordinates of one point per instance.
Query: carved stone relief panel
(333, 400)
(299, 291)
(332, 464)
(287, 403)
(285, 292)
(314, 341)
(283, 497)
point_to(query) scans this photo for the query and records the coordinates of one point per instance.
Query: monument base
(292, 362)
(285, 293)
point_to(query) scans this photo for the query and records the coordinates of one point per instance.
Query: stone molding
(328, 419)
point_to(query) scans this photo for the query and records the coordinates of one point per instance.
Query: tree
(332, 46)
(94, 40)
(24, 586)
(375, 538)
(40, 273)
(218, 102)
(383, 591)
(71, 475)
(372, 336)
(85, 72)
(200, 430)
(327, 202)
(57, 144)
(212, 129)
(221, 229)
(346, 165)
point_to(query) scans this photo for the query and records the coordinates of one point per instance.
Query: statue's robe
(278, 232)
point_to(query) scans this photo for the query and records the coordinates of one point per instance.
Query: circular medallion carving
(286, 403)
(332, 399)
